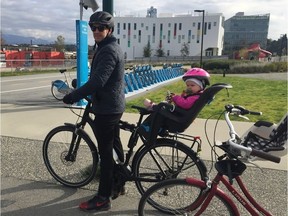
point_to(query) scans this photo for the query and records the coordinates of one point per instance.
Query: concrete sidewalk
(28, 189)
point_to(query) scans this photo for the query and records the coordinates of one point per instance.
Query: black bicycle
(72, 158)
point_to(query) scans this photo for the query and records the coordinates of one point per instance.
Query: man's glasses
(100, 28)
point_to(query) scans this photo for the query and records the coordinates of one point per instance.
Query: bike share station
(136, 81)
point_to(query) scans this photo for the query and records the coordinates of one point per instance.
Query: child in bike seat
(196, 80)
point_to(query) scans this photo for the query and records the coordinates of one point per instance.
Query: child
(196, 80)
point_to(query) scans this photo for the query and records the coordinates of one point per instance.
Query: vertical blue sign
(82, 54)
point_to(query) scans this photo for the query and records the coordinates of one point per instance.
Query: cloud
(48, 19)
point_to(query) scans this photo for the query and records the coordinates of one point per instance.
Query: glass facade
(241, 31)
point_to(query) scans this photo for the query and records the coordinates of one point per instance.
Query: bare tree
(60, 43)
(2, 42)
(185, 50)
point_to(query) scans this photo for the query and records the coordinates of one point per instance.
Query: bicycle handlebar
(265, 155)
(254, 152)
(241, 111)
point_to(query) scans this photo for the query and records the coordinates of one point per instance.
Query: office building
(241, 31)
(170, 33)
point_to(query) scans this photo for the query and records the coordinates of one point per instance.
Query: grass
(21, 73)
(267, 96)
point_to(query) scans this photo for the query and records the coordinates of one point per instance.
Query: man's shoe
(97, 203)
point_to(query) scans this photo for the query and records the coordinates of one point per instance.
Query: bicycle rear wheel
(69, 157)
(167, 159)
(175, 196)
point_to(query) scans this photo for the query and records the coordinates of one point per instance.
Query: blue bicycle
(59, 88)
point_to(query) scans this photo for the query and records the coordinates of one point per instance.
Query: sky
(49, 19)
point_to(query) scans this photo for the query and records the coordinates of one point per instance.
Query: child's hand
(169, 97)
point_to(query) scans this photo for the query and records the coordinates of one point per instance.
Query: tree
(147, 50)
(60, 43)
(278, 47)
(2, 42)
(185, 49)
(160, 52)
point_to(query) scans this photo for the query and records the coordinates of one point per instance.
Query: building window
(199, 26)
(139, 36)
(179, 38)
(169, 25)
(189, 36)
(118, 28)
(147, 28)
(209, 25)
(175, 30)
(193, 37)
(215, 23)
(124, 26)
(142, 25)
(194, 24)
(180, 26)
(135, 26)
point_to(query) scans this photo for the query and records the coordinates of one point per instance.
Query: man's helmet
(197, 73)
(102, 18)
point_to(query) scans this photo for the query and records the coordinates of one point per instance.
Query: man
(106, 87)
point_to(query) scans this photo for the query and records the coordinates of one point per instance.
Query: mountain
(16, 39)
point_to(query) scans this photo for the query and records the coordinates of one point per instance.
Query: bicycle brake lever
(244, 117)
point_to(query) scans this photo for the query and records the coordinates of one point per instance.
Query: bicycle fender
(80, 130)
(59, 84)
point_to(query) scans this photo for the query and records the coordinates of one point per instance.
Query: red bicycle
(192, 196)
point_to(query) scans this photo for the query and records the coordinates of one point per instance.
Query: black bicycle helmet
(102, 18)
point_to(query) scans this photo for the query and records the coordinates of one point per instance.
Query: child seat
(266, 136)
(175, 119)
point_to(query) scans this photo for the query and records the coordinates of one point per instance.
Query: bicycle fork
(74, 146)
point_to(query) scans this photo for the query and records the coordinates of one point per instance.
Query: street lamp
(202, 34)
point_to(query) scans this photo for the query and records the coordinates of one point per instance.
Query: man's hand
(68, 99)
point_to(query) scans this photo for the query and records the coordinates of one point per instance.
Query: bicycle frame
(211, 190)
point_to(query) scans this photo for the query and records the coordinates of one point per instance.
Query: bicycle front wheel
(56, 93)
(175, 197)
(70, 157)
(167, 159)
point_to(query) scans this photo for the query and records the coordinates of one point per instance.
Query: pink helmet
(197, 73)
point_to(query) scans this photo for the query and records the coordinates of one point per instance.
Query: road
(30, 89)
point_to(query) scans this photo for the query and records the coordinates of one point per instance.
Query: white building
(170, 33)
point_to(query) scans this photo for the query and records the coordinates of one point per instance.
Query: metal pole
(202, 35)
(108, 6)
(202, 38)
(81, 9)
